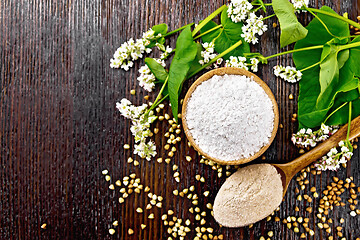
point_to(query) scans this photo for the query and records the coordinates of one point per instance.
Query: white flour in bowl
(230, 117)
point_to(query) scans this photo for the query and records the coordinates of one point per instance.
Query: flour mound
(230, 117)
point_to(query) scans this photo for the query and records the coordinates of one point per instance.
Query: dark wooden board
(59, 127)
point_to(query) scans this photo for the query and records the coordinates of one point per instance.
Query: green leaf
(157, 69)
(341, 116)
(332, 59)
(226, 37)
(311, 115)
(186, 50)
(195, 64)
(346, 96)
(161, 28)
(158, 29)
(291, 29)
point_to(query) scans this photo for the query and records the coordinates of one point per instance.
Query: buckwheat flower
(218, 63)
(145, 150)
(238, 10)
(287, 73)
(325, 129)
(254, 25)
(309, 138)
(238, 62)
(124, 108)
(332, 152)
(207, 53)
(166, 53)
(344, 149)
(254, 64)
(149, 35)
(334, 158)
(141, 120)
(131, 50)
(140, 131)
(298, 4)
(147, 78)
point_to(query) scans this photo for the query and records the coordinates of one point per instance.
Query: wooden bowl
(230, 71)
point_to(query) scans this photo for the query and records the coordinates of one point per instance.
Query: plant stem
(208, 31)
(217, 57)
(157, 100)
(324, 25)
(177, 30)
(161, 99)
(221, 31)
(295, 50)
(257, 9)
(351, 22)
(266, 4)
(270, 16)
(208, 19)
(350, 45)
(349, 123)
(311, 66)
(335, 111)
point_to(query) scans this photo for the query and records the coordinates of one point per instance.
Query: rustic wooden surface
(59, 127)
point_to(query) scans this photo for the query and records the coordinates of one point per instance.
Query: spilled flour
(249, 195)
(230, 117)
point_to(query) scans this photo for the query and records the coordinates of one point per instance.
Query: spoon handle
(304, 160)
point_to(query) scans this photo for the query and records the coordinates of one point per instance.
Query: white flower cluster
(309, 138)
(131, 50)
(254, 62)
(300, 3)
(287, 73)
(218, 63)
(140, 128)
(238, 10)
(147, 78)
(254, 25)
(335, 158)
(166, 53)
(208, 53)
(240, 62)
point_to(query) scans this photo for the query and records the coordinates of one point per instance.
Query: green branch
(350, 45)
(351, 22)
(208, 31)
(343, 105)
(311, 66)
(349, 123)
(270, 16)
(321, 21)
(295, 50)
(208, 19)
(177, 30)
(157, 100)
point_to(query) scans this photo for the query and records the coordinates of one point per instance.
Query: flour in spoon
(230, 117)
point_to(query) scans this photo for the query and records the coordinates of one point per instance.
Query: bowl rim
(230, 71)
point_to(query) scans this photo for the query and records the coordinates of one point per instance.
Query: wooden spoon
(288, 170)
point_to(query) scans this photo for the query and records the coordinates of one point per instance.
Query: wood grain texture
(59, 127)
